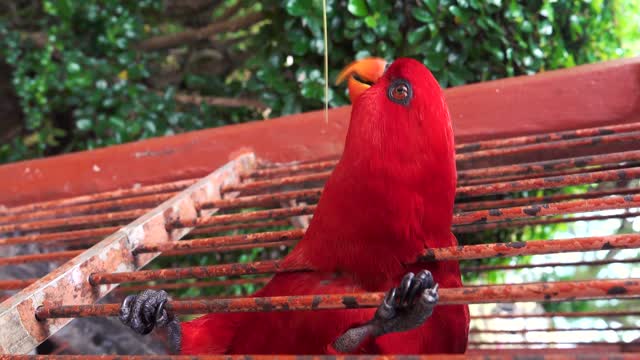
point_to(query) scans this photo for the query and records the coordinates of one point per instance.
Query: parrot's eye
(400, 92)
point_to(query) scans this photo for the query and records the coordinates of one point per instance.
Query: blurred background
(77, 75)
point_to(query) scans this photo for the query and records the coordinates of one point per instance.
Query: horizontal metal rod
(548, 209)
(145, 201)
(548, 182)
(554, 264)
(494, 204)
(288, 170)
(472, 228)
(542, 167)
(193, 284)
(533, 247)
(107, 195)
(82, 220)
(213, 242)
(467, 252)
(196, 272)
(577, 314)
(555, 354)
(610, 175)
(60, 236)
(633, 136)
(29, 258)
(553, 173)
(549, 343)
(472, 217)
(256, 225)
(225, 248)
(549, 137)
(525, 331)
(312, 194)
(541, 292)
(16, 284)
(272, 214)
(265, 184)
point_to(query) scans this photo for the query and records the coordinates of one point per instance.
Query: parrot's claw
(409, 305)
(403, 308)
(145, 311)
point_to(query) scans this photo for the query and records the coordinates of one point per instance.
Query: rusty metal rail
(556, 291)
(254, 204)
(625, 241)
(552, 355)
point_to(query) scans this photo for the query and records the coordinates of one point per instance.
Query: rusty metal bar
(194, 284)
(603, 167)
(108, 195)
(16, 284)
(542, 138)
(240, 226)
(471, 228)
(546, 146)
(84, 220)
(598, 314)
(196, 272)
(542, 167)
(229, 248)
(473, 217)
(493, 204)
(538, 343)
(265, 199)
(289, 170)
(533, 247)
(556, 354)
(558, 208)
(289, 180)
(185, 247)
(472, 190)
(468, 252)
(68, 283)
(109, 205)
(240, 217)
(525, 331)
(549, 182)
(60, 236)
(542, 292)
(52, 256)
(554, 264)
(215, 242)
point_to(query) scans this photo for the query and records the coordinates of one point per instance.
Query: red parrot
(390, 196)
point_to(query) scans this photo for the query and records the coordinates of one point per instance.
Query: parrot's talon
(409, 305)
(146, 311)
(403, 308)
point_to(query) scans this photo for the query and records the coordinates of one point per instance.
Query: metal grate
(105, 239)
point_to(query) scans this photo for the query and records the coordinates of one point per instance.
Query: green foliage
(88, 86)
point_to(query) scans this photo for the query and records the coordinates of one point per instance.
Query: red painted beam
(580, 97)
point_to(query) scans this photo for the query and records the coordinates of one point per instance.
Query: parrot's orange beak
(361, 74)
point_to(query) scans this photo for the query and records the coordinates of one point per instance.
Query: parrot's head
(400, 125)
(361, 75)
(400, 107)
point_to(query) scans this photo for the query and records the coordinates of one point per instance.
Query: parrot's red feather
(390, 197)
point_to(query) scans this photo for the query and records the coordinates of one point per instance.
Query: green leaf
(83, 124)
(298, 7)
(422, 15)
(358, 8)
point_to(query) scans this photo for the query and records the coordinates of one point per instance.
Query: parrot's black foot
(404, 308)
(409, 305)
(146, 310)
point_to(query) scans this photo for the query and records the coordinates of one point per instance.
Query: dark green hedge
(84, 84)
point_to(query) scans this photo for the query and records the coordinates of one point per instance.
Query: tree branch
(194, 35)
